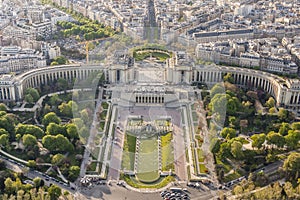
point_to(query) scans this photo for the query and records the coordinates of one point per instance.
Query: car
(163, 193)
(190, 184)
(72, 188)
(167, 194)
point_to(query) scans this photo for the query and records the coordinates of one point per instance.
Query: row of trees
(88, 29)
(12, 186)
(289, 190)
(60, 60)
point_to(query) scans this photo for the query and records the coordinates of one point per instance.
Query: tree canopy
(31, 94)
(50, 117)
(228, 133)
(275, 139)
(258, 140)
(291, 166)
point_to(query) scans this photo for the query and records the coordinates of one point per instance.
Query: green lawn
(102, 124)
(199, 139)
(161, 182)
(129, 152)
(203, 169)
(200, 155)
(233, 176)
(167, 156)
(160, 56)
(226, 166)
(92, 166)
(104, 105)
(103, 115)
(147, 166)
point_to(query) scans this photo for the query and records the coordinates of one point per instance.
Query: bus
(176, 189)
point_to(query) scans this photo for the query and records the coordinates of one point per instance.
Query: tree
(67, 109)
(62, 84)
(84, 115)
(218, 107)
(60, 60)
(228, 77)
(53, 63)
(289, 190)
(236, 150)
(284, 128)
(51, 117)
(54, 192)
(31, 163)
(282, 114)
(217, 89)
(46, 109)
(228, 133)
(258, 140)
(29, 129)
(292, 139)
(48, 142)
(3, 107)
(233, 104)
(63, 144)
(296, 126)
(37, 182)
(225, 150)
(7, 122)
(33, 93)
(4, 140)
(272, 110)
(29, 98)
(73, 172)
(270, 103)
(72, 132)
(215, 145)
(57, 159)
(57, 143)
(232, 121)
(3, 131)
(238, 190)
(9, 189)
(29, 141)
(275, 139)
(291, 166)
(55, 100)
(55, 129)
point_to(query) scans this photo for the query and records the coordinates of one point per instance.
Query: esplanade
(285, 91)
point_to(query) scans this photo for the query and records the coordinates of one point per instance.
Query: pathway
(188, 141)
(90, 141)
(206, 143)
(108, 142)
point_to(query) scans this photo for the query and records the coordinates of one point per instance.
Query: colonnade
(285, 91)
(149, 98)
(206, 76)
(7, 93)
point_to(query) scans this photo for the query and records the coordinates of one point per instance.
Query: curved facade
(285, 91)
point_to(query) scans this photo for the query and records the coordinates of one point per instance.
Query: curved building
(285, 91)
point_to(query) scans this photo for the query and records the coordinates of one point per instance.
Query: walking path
(90, 141)
(188, 142)
(108, 142)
